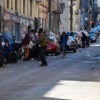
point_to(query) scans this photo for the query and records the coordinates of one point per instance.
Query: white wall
(98, 3)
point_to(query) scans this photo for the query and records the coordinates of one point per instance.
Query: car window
(71, 38)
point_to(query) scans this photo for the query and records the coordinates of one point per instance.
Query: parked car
(92, 37)
(95, 30)
(71, 44)
(52, 48)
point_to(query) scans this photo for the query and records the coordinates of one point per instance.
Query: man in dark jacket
(42, 46)
(83, 40)
(63, 42)
(6, 50)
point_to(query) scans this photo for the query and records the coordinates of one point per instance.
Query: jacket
(26, 40)
(42, 40)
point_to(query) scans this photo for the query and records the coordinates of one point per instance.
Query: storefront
(9, 25)
(24, 23)
(12, 26)
(16, 26)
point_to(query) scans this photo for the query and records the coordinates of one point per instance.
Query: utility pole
(49, 15)
(71, 15)
(0, 29)
(0, 18)
(88, 15)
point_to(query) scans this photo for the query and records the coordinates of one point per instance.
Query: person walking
(35, 48)
(83, 40)
(63, 41)
(42, 47)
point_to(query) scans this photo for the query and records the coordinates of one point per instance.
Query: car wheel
(46, 53)
(57, 53)
(74, 50)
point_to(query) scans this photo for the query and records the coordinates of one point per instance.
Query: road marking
(92, 62)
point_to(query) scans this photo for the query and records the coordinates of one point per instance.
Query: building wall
(18, 14)
(55, 16)
(42, 14)
(22, 4)
(76, 16)
(65, 18)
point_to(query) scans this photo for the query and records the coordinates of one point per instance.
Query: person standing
(42, 47)
(35, 48)
(25, 43)
(63, 40)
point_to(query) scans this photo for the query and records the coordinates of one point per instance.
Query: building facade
(18, 15)
(65, 17)
(76, 16)
(89, 13)
(70, 16)
(55, 16)
(42, 14)
(1, 15)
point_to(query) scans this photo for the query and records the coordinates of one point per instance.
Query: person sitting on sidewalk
(6, 49)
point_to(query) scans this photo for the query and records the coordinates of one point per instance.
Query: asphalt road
(75, 77)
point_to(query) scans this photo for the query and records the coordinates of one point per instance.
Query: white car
(71, 44)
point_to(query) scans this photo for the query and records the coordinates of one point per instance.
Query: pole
(0, 31)
(88, 15)
(49, 15)
(0, 19)
(71, 15)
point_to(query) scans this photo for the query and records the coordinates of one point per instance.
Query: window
(7, 3)
(11, 4)
(20, 6)
(30, 7)
(15, 5)
(23, 6)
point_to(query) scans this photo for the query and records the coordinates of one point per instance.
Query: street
(71, 78)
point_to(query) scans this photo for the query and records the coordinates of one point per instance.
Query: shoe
(43, 65)
(26, 59)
